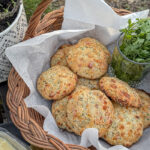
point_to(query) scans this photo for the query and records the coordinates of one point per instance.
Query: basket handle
(35, 19)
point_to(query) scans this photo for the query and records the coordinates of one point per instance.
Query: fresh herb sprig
(136, 41)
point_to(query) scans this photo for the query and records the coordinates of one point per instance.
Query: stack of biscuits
(84, 96)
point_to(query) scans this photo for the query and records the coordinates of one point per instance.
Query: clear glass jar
(126, 69)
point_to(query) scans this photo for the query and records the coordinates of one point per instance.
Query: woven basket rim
(30, 127)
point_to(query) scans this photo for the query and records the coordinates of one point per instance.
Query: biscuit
(56, 83)
(127, 126)
(59, 58)
(89, 109)
(87, 61)
(120, 91)
(65, 45)
(145, 108)
(80, 88)
(91, 84)
(59, 112)
(95, 43)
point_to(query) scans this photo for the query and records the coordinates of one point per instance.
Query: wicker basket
(27, 120)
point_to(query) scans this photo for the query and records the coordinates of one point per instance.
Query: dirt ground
(132, 5)
(7, 6)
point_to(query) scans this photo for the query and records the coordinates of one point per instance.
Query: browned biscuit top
(59, 58)
(145, 107)
(56, 83)
(91, 84)
(89, 109)
(87, 60)
(120, 91)
(59, 112)
(127, 126)
(95, 43)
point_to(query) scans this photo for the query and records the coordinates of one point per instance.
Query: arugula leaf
(136, 40)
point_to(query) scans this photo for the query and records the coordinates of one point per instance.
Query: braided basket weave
(27, 120)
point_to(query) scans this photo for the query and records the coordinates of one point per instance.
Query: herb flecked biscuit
(56, 83)
(80, 88)
(120, 91)
(65, 45)
(87, 61)
(59, 112)
(59, 58)
(127, 126)
(95, 43)
(145, 108)
(89, 109)
(91, 84)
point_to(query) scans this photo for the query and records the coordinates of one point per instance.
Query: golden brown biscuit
(95, 43)
(91, 84)
(59, 58)
(145, 108)
(89, 109)
(65, 45)
(127, 126)
(80, 88)
(59, 112)
(87, 61)
(56, 83)
(120, 91)
(106, 75)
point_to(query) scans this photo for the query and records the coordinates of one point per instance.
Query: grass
(31, 5)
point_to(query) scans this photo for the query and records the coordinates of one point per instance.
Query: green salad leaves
(136, 41)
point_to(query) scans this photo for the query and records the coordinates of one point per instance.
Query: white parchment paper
(82, 18)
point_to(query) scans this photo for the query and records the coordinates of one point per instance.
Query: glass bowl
(125, 69)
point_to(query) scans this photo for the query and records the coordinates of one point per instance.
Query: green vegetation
(31, 5)
(136, 47)
(127, 70)
(136, 41)
(8, 8)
